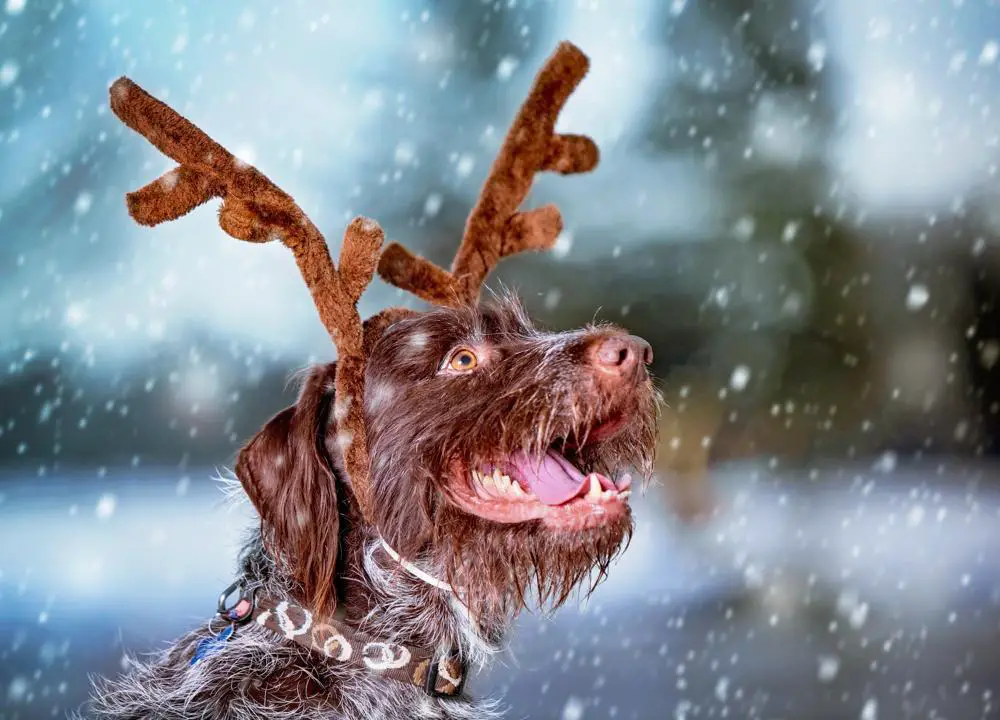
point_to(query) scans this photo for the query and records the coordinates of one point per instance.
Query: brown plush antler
(256, 210)
(495, 228)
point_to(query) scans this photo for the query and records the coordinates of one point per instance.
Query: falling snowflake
(8, 73)
(791, 231)
(75, 314)
(432, 205)
(464, 165)
(406, 153)
(792, 304)
(373, 100)
(816, 56)
(740, 377)
(989, 353)
(573, 709)
(106, 506)
(563, 244)
(722, 689)
(887, 462)
(83, 203)
(552, 298)
(180, 43)
(17, 689)
(870, 710)
(957, 62)
(917, 297)
(507, 67)
(991, 50)
(829, 666)
(743, 228)
(247, 20)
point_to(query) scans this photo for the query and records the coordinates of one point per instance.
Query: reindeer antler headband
(254, 209)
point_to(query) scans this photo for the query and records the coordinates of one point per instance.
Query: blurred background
(796, 205)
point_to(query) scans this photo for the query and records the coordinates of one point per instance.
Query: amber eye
(463, 360)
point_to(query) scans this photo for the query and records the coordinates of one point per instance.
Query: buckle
(242, 610)
(430, 682)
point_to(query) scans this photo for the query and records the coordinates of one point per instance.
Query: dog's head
(503, 451)
(500, 453)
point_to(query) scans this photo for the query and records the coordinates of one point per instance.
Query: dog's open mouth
(551, 488)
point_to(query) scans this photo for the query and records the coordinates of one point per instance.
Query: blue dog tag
(210, 645)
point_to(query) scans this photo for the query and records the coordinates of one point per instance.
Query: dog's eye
(463, 360)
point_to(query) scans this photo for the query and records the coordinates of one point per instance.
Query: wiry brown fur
(419, 421)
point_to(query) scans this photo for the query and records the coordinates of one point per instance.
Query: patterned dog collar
(438, 674)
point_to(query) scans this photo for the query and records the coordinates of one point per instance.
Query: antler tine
(254, 209)
(495, 228)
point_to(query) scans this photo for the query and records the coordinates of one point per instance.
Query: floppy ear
(286, 473)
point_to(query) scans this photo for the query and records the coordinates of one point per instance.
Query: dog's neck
(400, 602)
(377, 593)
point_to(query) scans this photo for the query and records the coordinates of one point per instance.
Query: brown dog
(449, 465)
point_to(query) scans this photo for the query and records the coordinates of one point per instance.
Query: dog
(451, 467)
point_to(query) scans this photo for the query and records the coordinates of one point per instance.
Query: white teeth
(595, 488)
(498, 483)
(502, 484)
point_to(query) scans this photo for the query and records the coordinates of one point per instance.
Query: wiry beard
(498, 570)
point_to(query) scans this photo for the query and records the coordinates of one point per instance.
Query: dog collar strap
(437, 674)
(415, 571)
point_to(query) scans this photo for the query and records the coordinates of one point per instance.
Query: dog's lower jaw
(260, 675)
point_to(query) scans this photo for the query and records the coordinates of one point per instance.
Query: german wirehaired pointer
(450, 466)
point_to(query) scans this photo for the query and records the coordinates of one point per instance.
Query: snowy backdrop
(796, 205)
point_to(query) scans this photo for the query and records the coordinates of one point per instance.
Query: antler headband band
(254, 209)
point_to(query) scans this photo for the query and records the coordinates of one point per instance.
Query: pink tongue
(553, 479)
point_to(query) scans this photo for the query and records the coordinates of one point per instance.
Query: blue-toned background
(796, 204)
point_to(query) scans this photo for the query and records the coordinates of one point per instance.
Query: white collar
(415, 571)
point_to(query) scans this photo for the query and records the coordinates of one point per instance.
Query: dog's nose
(621, 354)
